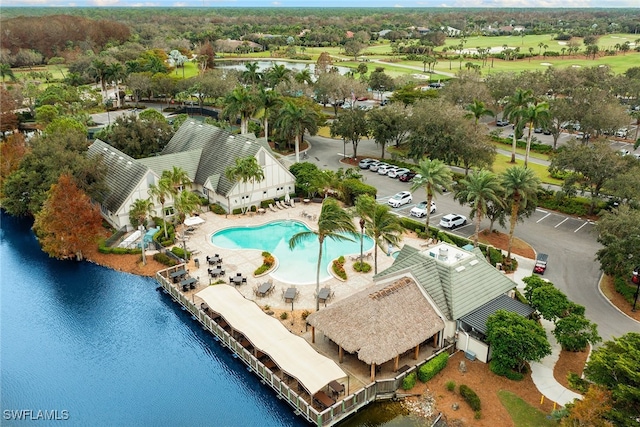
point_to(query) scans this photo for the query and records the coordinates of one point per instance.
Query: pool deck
(246, 261)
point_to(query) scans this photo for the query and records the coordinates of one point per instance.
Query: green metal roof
(187, 160)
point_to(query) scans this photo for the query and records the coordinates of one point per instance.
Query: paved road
(570, 242)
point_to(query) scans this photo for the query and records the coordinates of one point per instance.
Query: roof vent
(120, 158)
(473, 262)
(459, 257)
(113, 153)
(199, 126)
(192, 123)
(459, 269)
(432, 254)
(443, 254)
(129, 163)
(105, 149)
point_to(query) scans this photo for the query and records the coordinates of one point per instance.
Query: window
(261, 158)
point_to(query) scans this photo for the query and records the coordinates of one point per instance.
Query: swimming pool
(297, 266)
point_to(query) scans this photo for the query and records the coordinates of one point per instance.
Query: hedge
(179, 252)
(362, 267)
(470, 396)
(265, 203)
(354, 188)
(409, 381)
(118, 251)
(217, 209)
(624, 288)
(432, 367)
(338, 268)
(164, 259)
(536, 148)
(500, 370)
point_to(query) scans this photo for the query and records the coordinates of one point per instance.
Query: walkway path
(542, 372)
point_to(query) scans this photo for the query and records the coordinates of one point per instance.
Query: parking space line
(578, 229)
(561, 222)
(548, 214)
(541, 210)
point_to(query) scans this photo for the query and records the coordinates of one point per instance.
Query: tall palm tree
(160, 192)
(520, 185)
(270, 100)
(246, 170)
(187, 202)
(536, 114)
(333, 223)
(514, 110)
(276, 74)
(240, 102)
(293, 120)
(365, 205)
(479, 190)
(384, 228)
(434, 176)
(116, 72)
(476, 110)
(304, 76)
(98, 70)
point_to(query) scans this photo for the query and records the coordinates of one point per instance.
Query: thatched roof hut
(380, 322)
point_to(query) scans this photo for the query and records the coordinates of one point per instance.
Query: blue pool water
(296, 266)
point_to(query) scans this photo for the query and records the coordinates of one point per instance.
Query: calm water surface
(111, 350)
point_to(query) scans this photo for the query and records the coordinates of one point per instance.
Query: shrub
(164, 259)
(432, 367)
(217, 209)
(477, 415)
(305, 314)
(503, 371)
(409, 381)
(470, 397)
(284, 315)
(237, 211)
(624, 288)
(451, 385)
(267, 263)
(361, 267)
(179, 252)
(495, 255)
(338, 268)
(577, 383)
(265, 203)
(354, 188)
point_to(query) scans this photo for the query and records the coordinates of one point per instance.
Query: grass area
(503, 162)
(522, 151)
(522, 414)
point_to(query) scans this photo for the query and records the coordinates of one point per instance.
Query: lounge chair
(272, 208)
(279, 205)
(292, 204)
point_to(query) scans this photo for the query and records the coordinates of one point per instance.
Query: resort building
(204, 152)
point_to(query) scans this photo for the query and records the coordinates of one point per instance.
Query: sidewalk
(542, 372)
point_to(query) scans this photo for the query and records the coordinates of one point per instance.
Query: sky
(328, 3)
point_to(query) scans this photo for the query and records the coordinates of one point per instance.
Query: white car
(395, 173)
(375, 166)
(421, 209)
(365, 163)
(622, 133)
(401, 198)
(452, 221)
(382, 170)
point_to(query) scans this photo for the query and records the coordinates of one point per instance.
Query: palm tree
(187, 202)
(384, 228)
(513, 110)
(293, 120)
(240, 102)
(476, 110)
(98, 70)
(434, 176)
(479, 189)
(365, 205)
(160, 192)
(276, 74)
(245, 170)
(270, 100)
(178, 179)
(251, 75)
(536, 114)
(139, 210)
(333, 223)
(304, 76)
(116, 72)
(6, 71)
(520, 185)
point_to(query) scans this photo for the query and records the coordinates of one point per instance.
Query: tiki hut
(380, 323)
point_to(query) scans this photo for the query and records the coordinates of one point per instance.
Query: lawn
(503, 162)
(522, 414)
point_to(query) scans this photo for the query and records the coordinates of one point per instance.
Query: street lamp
(361, 239)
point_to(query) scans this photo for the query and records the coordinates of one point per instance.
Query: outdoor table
(216, 272)
(214, 260)
(305, 201)
(336, 387)
(237, 280)
(261, 211)
(190, 282)
(264, 288)
(290, 294)
(324, 294)
(176, 274)
(324, 400)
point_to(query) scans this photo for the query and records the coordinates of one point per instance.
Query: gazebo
(380, 323)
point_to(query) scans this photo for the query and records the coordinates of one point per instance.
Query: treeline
(51, 35)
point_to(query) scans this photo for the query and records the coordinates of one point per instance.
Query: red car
(541, 264)
(407, 176)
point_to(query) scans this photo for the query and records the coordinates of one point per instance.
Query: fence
(115, 237)
(378, 390)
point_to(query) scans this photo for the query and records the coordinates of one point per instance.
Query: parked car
(420, 210)
(452, 221)
(374, 166)
(546, 131)
(407, 176)
(395, 173)
(622, 133)
(541, 264)
(384, 169)
(401, 198)
(502, 122)
(623, 152)
(537, 130)
(365, 163)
